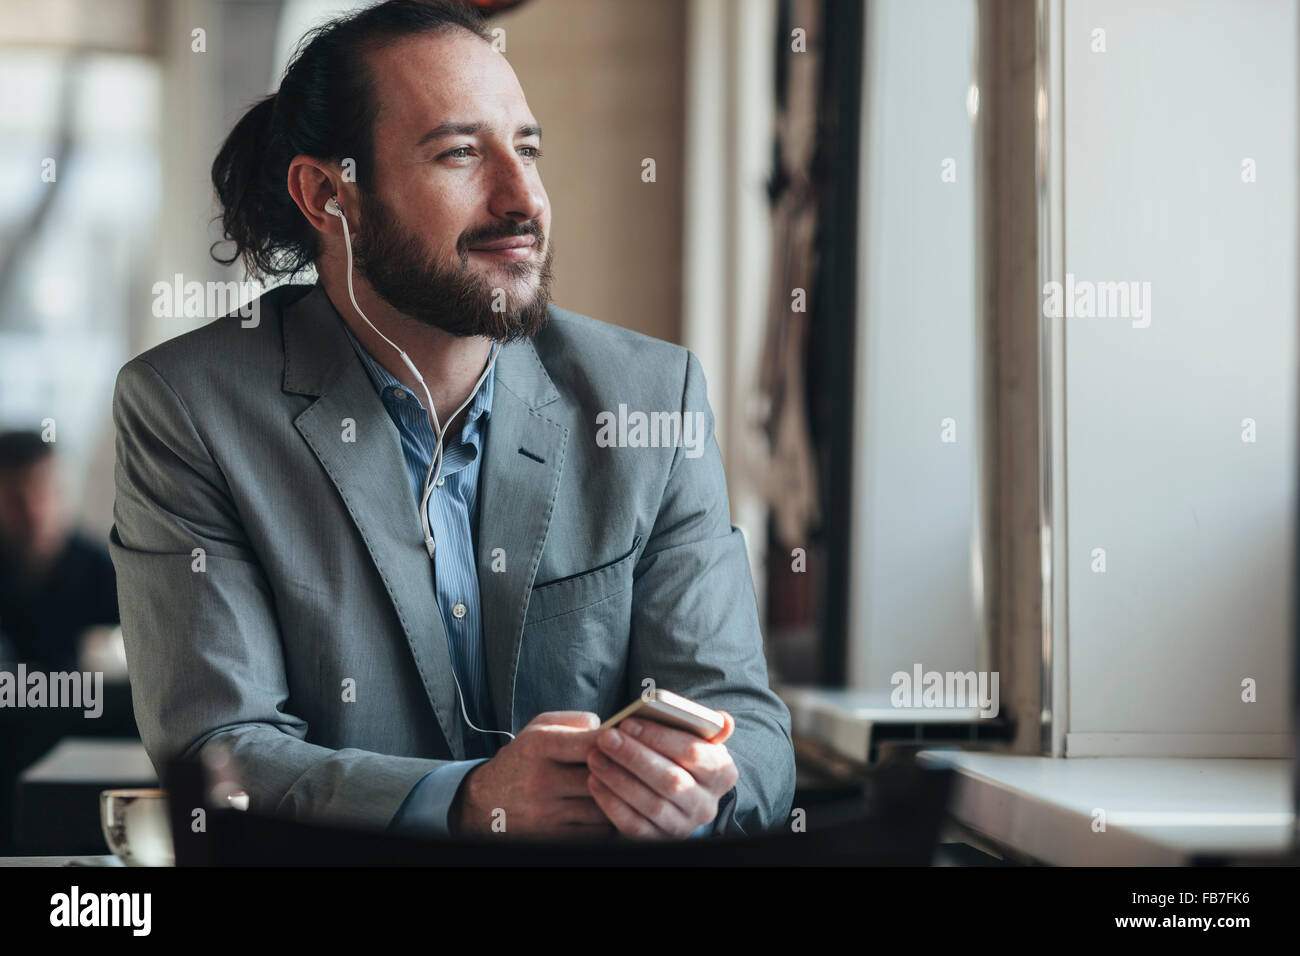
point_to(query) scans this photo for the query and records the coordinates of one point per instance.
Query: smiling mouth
(514, 249)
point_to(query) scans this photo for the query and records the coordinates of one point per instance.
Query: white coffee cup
(137, 827)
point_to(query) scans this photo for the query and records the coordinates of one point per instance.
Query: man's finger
(565, 744)
(661, 774)
(726, 731)
(626, 820)
(569, 780)
(581, 719)
(566, 736)
(701, 758)
(667, 815)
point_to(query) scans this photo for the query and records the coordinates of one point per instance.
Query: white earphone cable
(430, 477)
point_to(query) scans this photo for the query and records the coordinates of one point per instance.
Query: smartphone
(673, 710)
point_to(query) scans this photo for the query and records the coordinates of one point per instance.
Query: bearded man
(369, 547)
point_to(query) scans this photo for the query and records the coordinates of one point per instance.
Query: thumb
(579, 719)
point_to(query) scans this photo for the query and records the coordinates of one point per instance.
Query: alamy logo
(1083, 299)
(102, 909)
(58, 689)
(179, 299)
(653, 430)
(946, 689)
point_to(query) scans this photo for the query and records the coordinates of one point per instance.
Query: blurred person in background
(58, 591)
(55, 582)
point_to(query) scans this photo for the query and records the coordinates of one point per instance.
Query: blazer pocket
(577, 591)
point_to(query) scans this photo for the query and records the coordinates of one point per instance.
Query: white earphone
(431, 476)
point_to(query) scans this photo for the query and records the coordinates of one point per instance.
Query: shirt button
(458, 611)
(439, 482)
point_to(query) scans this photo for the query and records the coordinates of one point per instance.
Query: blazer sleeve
(202, 640)
(695, 624)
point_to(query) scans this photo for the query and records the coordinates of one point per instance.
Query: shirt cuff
(718, 825)
(426, 806)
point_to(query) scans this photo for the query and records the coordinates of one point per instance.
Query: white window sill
(1159, 811)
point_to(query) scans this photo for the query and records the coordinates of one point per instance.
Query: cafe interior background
(856, 210)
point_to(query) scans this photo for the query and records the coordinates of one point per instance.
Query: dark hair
(22, 449)
(324, 109)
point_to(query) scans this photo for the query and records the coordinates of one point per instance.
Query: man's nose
(517, 192)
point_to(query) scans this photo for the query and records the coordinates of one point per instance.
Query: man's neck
(451, 364)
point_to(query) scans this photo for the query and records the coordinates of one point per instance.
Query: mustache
(504, 230)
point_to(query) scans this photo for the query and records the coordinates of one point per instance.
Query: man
(285, 593)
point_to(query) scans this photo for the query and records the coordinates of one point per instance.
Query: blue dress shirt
(453, 515)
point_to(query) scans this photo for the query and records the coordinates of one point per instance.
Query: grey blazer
(268, 549)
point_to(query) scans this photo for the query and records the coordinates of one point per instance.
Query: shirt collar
(384, 381)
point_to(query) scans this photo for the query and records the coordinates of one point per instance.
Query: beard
(452, 298)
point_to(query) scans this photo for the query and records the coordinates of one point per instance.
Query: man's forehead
(452, 77)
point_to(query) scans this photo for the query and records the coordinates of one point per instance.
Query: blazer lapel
(370, 475)
(519, 480)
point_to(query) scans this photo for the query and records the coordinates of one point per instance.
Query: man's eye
(463, 152)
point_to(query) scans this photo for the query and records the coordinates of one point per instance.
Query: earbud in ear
(332, 207)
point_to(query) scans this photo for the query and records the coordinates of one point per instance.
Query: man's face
(455, 229)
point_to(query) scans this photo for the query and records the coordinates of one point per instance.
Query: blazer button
(458, 611)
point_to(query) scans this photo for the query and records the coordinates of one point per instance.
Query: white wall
(916, 575)
(1196, 524)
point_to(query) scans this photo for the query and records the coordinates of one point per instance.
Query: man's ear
(311, 184)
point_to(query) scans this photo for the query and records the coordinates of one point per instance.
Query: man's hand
(539, 780)
(657, 782)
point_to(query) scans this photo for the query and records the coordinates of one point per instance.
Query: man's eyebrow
(471, 129)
